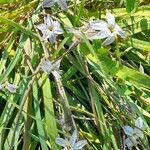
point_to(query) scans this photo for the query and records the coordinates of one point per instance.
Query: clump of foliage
(74, 74)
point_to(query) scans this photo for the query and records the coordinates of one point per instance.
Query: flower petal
(58, 31)
(139, 123)
(62, 4)
(110, 19)
(139, 127)
(42, 27)
(56, 74)
(46, 66)
(119, 31)
(73, 138)
(130, 142)
(109, 40)
(52, 37)
(128, 130)
(49, 21)
(80, 144)
(98, 24)
(56, 24)
(61, 142)
(48, 3)
(102, 34)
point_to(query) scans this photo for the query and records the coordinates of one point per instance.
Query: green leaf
(39, 123)
(140, 44)
(131, 5)
(50, 120)
(6, 1)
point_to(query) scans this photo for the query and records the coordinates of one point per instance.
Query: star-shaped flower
(108, 30)
(72, 143)
(53, 68)
(61, 3)
(134, 133)
(50, 29)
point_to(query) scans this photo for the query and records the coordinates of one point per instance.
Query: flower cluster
(134, 133)
(97, 29)
(72, 143)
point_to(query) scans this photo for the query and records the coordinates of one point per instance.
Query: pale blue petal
(58, 31)
(47, 34)
(98, 24)
(62, 4)
(109, 40)
(46, 66)
(139, 127)
(42, 27)
(52, 38)
(139, 123)
(49, 21)
(131, 142)
(48, 3)
(73, 138)
(119, 31)
(56, 74)
(128, 130)
(102, 34)
(110, 19)
(61, 142)
(56, 24)
(79, 145)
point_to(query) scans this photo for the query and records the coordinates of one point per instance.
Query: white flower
(49, 3)
(72, 143)
(11, 88)
(50, 29)
(134, 133)
(53, 68)
(107, 30)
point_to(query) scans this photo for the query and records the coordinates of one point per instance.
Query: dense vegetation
(74, 74)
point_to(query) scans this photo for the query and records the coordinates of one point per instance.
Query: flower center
(50, 28)
(68, 147)
(111, 28)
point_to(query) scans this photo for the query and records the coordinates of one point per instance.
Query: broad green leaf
(131, 5)
(50, 120)
(6, 1)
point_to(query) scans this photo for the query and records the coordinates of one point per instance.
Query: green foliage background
(105, 88)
